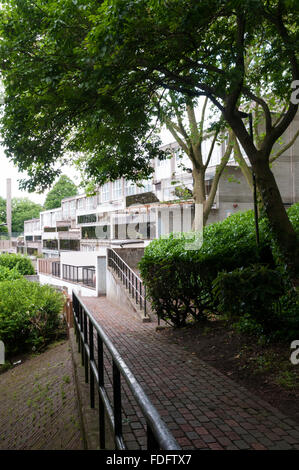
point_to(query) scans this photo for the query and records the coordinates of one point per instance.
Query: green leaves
(62, 189)
(16, 262)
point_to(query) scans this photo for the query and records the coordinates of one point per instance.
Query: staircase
(132, 286)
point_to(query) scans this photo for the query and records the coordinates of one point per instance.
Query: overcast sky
(8, 170)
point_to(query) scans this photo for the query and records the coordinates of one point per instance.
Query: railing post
(91, 349)
(85, 342)
(152, 443)
(117, 402)
(101, 385)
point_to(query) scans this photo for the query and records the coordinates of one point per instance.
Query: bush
(29, 315)
(7, 274)
(20, 262)
(179, 280)
(262, 300)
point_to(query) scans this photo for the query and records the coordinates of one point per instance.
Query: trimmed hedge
(261, 300)
(180, 281)
(20, 262)
(29, 315)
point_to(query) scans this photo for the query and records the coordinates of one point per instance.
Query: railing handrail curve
(150, 413)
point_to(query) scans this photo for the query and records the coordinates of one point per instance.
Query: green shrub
(7, 274)
(179, 279)
(262, 299)
(252, 290)
(29, 315)
(18, 261)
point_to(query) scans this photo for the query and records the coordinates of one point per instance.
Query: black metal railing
(129, 278)
(56, 268)
(89, 278)
(91, 341)
(85, 275)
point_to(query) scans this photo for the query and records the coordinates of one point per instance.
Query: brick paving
(202, 407)
(38, 404)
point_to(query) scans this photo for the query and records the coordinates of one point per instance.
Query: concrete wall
(117, 295)
(77, 288)
(131, 256)
(81, 258)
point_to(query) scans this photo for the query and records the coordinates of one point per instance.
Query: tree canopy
(3, 229)
(62, 189)
(80, 76)
(23, 209)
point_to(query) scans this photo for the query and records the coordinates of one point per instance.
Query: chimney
(8, 205)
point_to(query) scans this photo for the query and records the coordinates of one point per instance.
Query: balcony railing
(56, 268)
(100, 358)
(85, 275)
(45, 265)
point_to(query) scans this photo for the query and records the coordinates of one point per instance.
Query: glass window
(81, 203)
(130, 188)
(117, 189)
(73, 208)
(105, 192)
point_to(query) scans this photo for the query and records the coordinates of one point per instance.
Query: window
(105, 192)
(130, 188)
(94, 232)
(116, 189)
(87, 219)
(73, 208)
(81, 203)
(162, 163)
(71, 245)
(91, 202)
(50, 244)
(65, 210)
(147, 186)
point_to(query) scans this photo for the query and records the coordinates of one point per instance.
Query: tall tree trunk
(282, 227)
(199, 195)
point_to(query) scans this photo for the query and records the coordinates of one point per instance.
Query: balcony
(69, 235)
(85, 275)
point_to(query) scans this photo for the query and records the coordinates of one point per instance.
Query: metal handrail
(75, 271)
(131, 281)
(158, 435)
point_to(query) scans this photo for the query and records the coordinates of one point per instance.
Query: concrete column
(101, 267)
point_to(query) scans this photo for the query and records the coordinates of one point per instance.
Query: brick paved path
(38, 404)
(203, 408)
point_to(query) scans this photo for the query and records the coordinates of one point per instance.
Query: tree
(81, 76)
(200, 49)
(190, 137)
(3, 228)
(63, 188)
(23, 209)
(53, 105)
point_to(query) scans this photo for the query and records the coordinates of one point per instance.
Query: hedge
(29, 315)
(179, 280)
(20, 262)
(260, 299)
